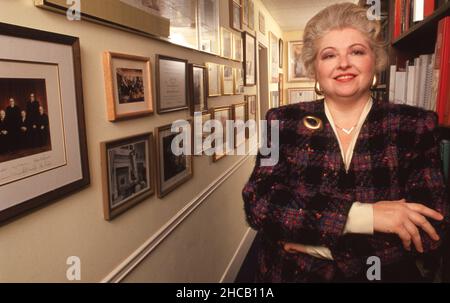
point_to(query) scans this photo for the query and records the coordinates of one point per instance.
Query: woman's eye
(328, 56)
(358, 52)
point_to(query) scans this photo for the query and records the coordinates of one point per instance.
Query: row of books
(409, 12)
(425, 80)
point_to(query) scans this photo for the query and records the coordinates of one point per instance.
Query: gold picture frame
(128, 84)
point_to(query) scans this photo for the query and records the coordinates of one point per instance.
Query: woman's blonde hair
(339, 16)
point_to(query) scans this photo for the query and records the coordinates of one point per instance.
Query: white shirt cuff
(360, 219)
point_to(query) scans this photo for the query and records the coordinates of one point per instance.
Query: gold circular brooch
(312, 123)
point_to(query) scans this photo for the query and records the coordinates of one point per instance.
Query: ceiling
(293, 15)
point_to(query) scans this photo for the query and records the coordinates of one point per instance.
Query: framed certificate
(171, 84)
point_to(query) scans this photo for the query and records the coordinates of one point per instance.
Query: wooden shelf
(421, 38)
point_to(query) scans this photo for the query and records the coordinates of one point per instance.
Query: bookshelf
(419, 39)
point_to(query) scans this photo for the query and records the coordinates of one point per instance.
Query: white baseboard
(230, 274)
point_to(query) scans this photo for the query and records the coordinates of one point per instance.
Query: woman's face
(345, 64)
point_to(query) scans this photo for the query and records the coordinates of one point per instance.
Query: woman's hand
(404, 219)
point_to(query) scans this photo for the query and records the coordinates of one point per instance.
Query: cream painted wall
(34, 248)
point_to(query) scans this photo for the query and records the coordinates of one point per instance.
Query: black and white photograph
(227, 80)
(128, 173)
(24, 121)
(173, 170)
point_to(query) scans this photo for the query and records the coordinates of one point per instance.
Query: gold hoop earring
(374, 82)
(317, 89)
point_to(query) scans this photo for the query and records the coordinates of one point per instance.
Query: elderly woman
(356, 178)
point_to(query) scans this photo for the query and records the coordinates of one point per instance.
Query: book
(397, 19)
(418, 10)
(442, 70)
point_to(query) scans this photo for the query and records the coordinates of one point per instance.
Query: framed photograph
(274, 57)
(251, 15)
(281, 50)
(173, 170)
(209, 28)
(236, 15)
(128, 173)
(171, 84)
(297, 95)
(274, 99)
(227, 43)
(296, 70)
(251, 110)
(221, 114)
(238, 81)
(43, 152)
(214, 79)
(198, 145)
(245, 12)
(239, 114)
(238, 48)
(262, 23)
(136, 16)
(281, 88)
(227, 80)
(249, 60)
(128, 86)
(198, 88)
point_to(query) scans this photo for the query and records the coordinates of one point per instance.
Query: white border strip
(230, 274)
(132, 261)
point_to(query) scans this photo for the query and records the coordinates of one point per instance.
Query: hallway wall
(201, 244)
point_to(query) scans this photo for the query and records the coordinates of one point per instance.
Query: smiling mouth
(345, 78)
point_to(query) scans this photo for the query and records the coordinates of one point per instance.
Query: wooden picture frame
(174, 72)
(251, 15)
(245, 12)
(249, 60)
(45, 69)
(236, 18)
(198, 150)
(274, 57)
(281, 88)
(262, 23)
(209, 26)
(221, 114)
(227, 80)
(238, 48)
(252, 111)
(118, 15)
(238, 75)
(226, 45)
(301, 94)
(128, 84)
(274, 99)
(214, 79)
(128, 173)
(173, 170)
(239, 113)
(198, 87)
(296, 70)
(281, 52)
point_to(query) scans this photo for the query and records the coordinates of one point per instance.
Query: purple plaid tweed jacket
(305, 198)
